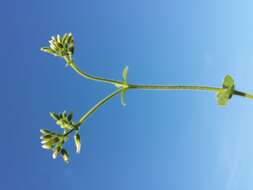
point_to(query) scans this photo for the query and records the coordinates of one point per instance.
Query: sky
(162, 139)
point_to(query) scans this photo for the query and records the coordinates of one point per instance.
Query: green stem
(100, 103)
(88, 76)
(243, 94)
(149, 87)
(161, 87)
(93, 109)
(205, 88)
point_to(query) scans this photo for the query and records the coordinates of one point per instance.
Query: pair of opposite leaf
(226, 92)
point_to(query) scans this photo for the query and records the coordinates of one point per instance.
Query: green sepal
(64, 115)
(226, 93)
(70, 116)
(64, 38)
(54, 116)
(45, 132)
(46, 137)
(50, 141)
(48, 50)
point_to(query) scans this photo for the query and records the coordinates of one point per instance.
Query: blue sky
(160, 140)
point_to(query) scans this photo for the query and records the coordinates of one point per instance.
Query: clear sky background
(160, 140)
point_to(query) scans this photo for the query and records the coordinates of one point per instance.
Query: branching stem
(64, 47)
(124, 86)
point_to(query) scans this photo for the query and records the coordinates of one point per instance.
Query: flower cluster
(54, 141)
(61, 46)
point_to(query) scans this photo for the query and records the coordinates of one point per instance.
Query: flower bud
(46, 136)
(47, 146)
(56, 151)
(51, 141)
(77, 140)
(45, 132)
(65, 155)
(58, 38)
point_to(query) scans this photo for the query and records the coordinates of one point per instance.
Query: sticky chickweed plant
(63, 47)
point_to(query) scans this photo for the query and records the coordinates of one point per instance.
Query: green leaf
(124, 74)
(222, 97)
(228, 82)
(123, 97)
(226, 93)
(64, 38)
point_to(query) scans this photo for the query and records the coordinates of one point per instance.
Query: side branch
(90, 77)
(99, 104)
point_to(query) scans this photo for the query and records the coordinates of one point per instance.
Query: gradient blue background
(161, 140)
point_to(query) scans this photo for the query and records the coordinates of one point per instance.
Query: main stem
(205, 88)
(161, 87)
